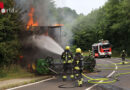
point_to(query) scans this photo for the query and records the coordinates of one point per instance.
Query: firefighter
(123, 55)
(67, 59)
(90, 53)
(78, 67)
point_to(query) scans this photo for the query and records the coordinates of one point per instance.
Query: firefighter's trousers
(68, 70)
(123, 60)
(78, 76)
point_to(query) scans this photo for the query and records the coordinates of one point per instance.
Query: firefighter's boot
(64, 78)
(80, 83)
(123, 62)
(72, 77)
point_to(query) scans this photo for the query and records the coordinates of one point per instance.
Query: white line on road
(116, 67)
(29, 84)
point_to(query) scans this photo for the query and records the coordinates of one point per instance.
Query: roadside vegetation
(110, 22)
(13, 72)
(11, 25)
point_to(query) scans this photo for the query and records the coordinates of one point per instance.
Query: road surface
(106, 67)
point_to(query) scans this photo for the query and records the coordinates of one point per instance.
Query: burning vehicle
(42, 47)
(40, 42)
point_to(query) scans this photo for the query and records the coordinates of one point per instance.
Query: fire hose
(103, 80)
(107, 80)
(92, 80)
(97, 81)
(115, 63)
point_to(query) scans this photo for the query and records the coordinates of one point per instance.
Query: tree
(86, 30)
(110, 22)
(10, 25)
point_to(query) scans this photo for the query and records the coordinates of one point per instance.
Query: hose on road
(104, 80)
(107, 80)
(106, 65)
(97, 80)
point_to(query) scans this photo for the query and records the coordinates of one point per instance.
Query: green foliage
(42, 66)
(111, 22)
(85, 31)
(89, 63)
(10, 25)
(73, 48)
(13, 71)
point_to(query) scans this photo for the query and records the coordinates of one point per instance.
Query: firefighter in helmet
(67, 59)
(78, 66)
(123, 55)
(90, 53)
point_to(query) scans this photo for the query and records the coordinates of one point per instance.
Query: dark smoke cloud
(45, 17)
(41, 10)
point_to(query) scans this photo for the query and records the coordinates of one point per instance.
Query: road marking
(116, 67)
(29, 84)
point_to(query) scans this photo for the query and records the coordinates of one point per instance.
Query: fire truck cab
(102, 49)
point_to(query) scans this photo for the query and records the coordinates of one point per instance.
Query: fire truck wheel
(109, 56)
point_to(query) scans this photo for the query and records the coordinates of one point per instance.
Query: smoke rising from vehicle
(45, 15)
(41, 10)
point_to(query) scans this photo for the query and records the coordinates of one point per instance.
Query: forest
(109, 22)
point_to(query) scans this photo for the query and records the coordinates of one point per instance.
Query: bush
(89, 64)
(13, 71)
(2, 73)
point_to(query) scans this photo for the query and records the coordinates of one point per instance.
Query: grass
(13, 72)
(116, 54)
(85, 53)
(26, 82)
(128, 58)
(16, 72)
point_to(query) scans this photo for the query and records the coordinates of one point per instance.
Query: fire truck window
(106, 46)
(96, 51)
(95, 48)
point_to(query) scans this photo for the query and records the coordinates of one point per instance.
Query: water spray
(47, 43)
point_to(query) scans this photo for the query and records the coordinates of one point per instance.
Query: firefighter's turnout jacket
(78, 68)
(67, 59)
(123, 55)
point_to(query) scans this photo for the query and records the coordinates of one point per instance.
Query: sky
(81, 6)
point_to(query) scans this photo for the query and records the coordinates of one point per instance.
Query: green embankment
(13, 72)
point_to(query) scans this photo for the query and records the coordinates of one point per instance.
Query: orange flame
(31, 21)
(58, 25)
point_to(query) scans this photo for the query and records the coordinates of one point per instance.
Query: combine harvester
(40, 47)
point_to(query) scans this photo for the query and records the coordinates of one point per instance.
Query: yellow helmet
(67, 48)
(123, 50)
(78, 50)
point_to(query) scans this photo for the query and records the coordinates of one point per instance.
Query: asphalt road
(105, 68)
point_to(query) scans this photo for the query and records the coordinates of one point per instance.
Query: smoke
(41, 10)
(47, 14)
(45, 42)
(68, 19)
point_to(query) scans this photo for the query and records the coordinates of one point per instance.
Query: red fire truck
(102, 49)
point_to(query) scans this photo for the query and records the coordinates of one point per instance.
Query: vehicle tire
(109, 56)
